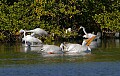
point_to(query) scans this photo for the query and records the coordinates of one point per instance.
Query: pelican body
(77, 48)
(51, 49)
(117, 34)
(30, 40)
(39, 32)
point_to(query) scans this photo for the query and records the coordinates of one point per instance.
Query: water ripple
(64, 69)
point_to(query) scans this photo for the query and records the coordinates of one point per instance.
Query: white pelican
(94, 43)
(52, 49)
(89, 35)
(36, 31)
(39, 32)
(68, 30)
(29, 40)
(77, 48)
(29, 48)
(117, 34)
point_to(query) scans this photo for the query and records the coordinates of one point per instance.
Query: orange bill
(90, 40)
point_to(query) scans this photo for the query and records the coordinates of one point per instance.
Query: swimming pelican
(29, 40)
(52, 49)
(89, 35)
(77, 48)
(94, 43)
(117, 34)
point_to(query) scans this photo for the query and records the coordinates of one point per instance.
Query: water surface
(104, 60)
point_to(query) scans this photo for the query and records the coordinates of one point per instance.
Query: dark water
(104, 60)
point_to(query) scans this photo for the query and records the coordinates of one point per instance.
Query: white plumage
(51, 49)
(39, 32)
(29, 39)
(77, 48)
(89, 35)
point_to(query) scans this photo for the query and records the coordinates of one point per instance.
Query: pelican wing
(38, 31)
(51, 48)
(75, 48)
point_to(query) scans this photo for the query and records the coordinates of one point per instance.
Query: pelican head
(85, 36)
(21, 31)
(81, 26)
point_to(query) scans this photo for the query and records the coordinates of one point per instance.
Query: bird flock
(31, 40)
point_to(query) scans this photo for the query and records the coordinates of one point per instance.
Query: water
(104, 60)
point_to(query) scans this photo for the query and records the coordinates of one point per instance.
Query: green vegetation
(57, 15)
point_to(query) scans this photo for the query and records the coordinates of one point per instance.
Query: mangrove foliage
(57, 15)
